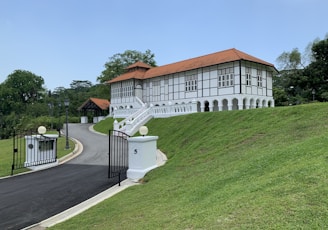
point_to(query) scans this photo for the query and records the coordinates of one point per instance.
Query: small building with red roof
(96, 107)
(225, 80)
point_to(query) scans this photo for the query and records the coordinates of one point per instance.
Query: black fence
(32, 149)
(118, 155)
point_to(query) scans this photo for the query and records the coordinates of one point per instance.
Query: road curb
(77, 209)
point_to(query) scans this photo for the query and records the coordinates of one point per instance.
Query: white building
(226, 80)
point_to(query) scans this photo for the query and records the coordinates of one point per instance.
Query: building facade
(226, 80)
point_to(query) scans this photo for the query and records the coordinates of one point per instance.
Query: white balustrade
(174, 110)
(131, 123)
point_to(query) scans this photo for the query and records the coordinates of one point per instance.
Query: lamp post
(58, 115)
(51, 107)
(66, 103)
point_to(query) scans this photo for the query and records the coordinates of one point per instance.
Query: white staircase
(133, 122)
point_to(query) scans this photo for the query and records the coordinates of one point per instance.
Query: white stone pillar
(116, 125)
(84, 120)
(142, 156)
(194, 106)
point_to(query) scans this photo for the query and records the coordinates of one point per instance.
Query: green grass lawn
(252, 169)
(6, 154)
(104, 125)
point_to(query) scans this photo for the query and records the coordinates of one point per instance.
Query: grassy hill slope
(264, 168)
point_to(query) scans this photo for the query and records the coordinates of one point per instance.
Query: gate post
(142, 156)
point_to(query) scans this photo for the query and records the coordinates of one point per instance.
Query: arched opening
(269, 104)
(263, 104)
(215, 105)
(235, 104)
(244, 103)
(257, 103)
(206, 106)
(225, 104)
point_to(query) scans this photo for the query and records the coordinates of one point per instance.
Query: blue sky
(66, 40)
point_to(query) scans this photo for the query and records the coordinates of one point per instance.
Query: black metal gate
(32, 149)
(118, 155)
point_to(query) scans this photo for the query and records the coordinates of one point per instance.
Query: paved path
(30, 198)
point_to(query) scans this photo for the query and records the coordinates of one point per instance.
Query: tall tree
(118, 62)
(317, 71)
(25, 86)
(286, 83)
(290, 60)
(307, 55)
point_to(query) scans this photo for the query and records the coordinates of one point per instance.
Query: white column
(210, 106)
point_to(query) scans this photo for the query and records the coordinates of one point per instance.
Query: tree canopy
(303, 78)
(118, 62)
(290, 60)
(317, 71)
(79, 84)
(24, 85)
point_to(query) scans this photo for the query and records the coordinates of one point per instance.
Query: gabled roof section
(137, 74)
(139, 64)
(134, 71)
(221, 57)
(95, 104)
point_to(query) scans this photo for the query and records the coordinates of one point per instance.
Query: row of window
(191, 83)
(156, 88)
(122, 92)
(225, 79)
(116, 92)
(259, 77)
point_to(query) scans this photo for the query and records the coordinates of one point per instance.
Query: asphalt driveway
(30, 198)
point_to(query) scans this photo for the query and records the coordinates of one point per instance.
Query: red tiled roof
(138, 74)
(193, 63)
(139, 64)
(103, 104)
